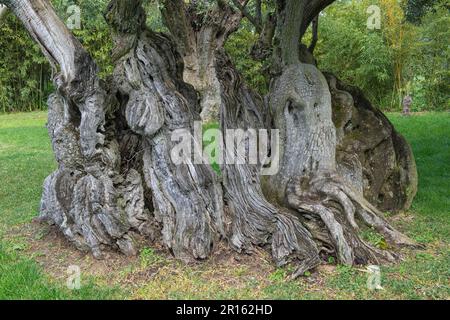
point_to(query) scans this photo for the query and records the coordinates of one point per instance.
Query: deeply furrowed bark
(198, 37)
(301, 106)
(88, 197)
(187, 198)
(117, 182)
(255, 220)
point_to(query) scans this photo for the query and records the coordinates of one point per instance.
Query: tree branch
(126, 19)
(175, 18)
(292, 14)
(57, 42)
(315, 38)
(312, 10)
(77, 80)
(259, 12)
(262, 48)
(256, 21)
(125, 16)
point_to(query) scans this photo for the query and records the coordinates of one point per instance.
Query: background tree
(416, 9)
(429, 74)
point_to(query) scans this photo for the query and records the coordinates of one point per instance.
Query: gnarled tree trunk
(114, 142)
(199, 36)
(371, 155)
(308, 180)
(155, 102)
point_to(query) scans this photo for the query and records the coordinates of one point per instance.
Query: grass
(22, 278)
(209, 131)
(429, 136)
(26, 159)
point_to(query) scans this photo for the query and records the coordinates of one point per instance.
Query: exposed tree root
(255, 220)
(328, 198)
(93, 204)
(308, 181)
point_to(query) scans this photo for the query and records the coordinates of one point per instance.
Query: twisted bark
(156, 102)
(308, 181)
(371, 155)
(89, 197)
(198, 37)
(254, 219)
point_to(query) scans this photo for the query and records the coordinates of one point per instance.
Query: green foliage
(91, 11)
(154, 19)
(99, 44)
(430, 83)
(416, 9)
(94, 33)
(25, 75)
(24, 72)
(388, 63)
(400, 58)
(356, 54)
(238, 47)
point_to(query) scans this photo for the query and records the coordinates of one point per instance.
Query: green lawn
(26, 159)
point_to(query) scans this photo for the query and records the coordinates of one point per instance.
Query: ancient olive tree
(340, 159)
